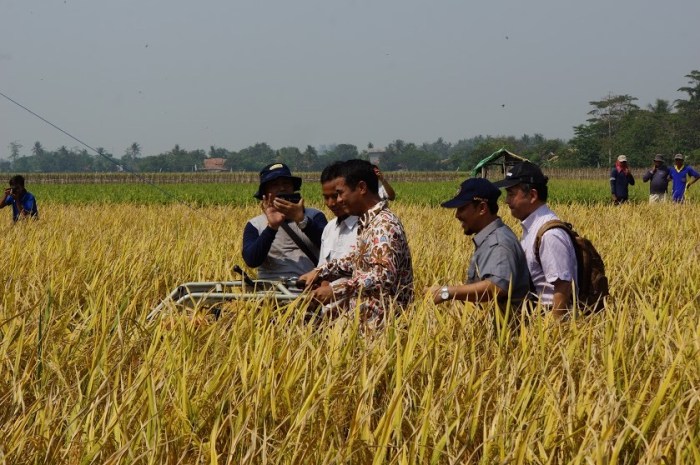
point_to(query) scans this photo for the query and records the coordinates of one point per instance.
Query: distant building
(214, 164)
(376, 154)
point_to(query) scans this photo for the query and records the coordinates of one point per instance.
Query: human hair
(492, 204)
(17, 180)
(356, 170)
(542, 189)
(331, 172)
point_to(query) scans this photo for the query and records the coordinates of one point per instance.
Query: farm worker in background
(556, 270)
(659, 176)
(679, 173)
(23, 202)
(620, 179)
(386, 192)
(284, 241)
(498, 264)
(340, 234)
(380, 267)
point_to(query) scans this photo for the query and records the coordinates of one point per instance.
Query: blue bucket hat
(473, 189)
(272, 172)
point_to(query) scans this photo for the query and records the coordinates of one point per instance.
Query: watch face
(445, 295)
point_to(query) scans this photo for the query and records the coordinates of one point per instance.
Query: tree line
(616, 125)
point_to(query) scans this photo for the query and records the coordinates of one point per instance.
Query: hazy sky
(231, 73)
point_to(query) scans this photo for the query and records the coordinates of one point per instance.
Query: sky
(233, 73)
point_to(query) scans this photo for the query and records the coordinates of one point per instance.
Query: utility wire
(111, 160)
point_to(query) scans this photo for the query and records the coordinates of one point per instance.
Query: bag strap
(300, 243)
(552, 224)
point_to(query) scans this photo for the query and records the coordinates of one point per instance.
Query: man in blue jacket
(23, 202)
(283, 241)
(620, 178)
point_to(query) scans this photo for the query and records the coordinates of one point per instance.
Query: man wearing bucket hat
(659, 176)
(554, 271)
(284, 241)
(620, 180)
(498, 264)
(680, 173)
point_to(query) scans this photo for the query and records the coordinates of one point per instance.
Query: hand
(614, 198)
(309, 278)
(275, 218)
(379, 174)
(291, 210)
(324, 293)
(434, 293)
(8, 191)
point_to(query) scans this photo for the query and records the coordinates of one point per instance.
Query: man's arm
(256, 245)
(694, 176)
(648, 175)
(630, 178)
(613, 173)
(474, 292)
(5, 199)
(562, 298)
(390, 192)
(315, 226)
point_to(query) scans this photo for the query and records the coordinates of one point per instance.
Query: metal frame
(207, 293)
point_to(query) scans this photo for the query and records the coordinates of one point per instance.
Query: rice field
(85, 379)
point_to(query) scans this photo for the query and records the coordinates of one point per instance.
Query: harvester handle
(246, 278)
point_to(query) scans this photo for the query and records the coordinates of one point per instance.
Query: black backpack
(592, 282)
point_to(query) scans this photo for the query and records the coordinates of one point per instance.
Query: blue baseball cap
(473, 189)
(274, 171)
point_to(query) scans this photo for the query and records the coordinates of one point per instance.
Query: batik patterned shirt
(380, 267)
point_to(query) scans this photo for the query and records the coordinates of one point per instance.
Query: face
(521, 203)
(351, 201)
(278, 186)
(657, 163)
(678, 162)
(330, 198)
(468, 215)
(15, 189)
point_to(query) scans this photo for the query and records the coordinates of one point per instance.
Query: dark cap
(659, 157)
(523, 172)
(274, 171)
(473, 189)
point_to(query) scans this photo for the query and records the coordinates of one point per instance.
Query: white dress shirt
(338, 239)
(557, 254)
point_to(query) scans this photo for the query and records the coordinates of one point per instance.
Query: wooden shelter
(502, 158)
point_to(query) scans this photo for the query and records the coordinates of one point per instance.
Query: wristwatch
(303, 223)
(444, 293)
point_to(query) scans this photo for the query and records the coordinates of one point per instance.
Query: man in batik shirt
(380, 268)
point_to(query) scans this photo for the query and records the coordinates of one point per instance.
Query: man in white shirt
(339, 237)
(555, 273)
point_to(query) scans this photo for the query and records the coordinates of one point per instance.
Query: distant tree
(607, 114)
(689, 113)
(38, 149)
(14, 151)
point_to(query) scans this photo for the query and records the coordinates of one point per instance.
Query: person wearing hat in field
(498, 266)
(679, 174)
(620, 180)
(659, 176)
(554, 273)
(283, 241)
(23, 202)
(380, 267)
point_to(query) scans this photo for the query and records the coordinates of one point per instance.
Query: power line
(111, 160)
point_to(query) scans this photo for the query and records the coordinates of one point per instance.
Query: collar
(481, 236)
(678, 170)
(530, 220)
(371, 214)
(349, 222)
